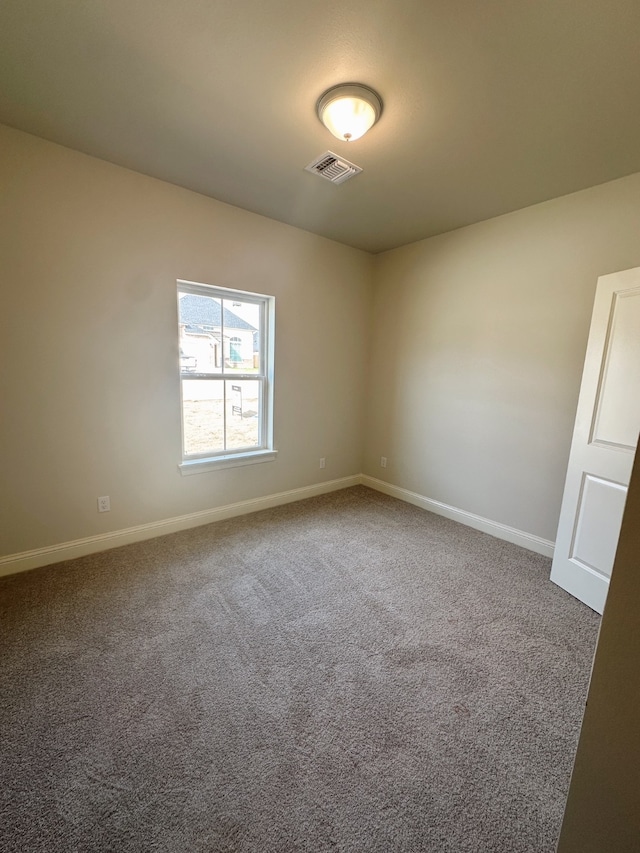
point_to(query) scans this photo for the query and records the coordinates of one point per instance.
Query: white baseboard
(22, 562)
(493, 528)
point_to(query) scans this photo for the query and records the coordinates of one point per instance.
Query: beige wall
(89, 385)
(603, 807)
(478, 343)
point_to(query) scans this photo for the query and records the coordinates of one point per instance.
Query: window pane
(203, 415)
(223, 337)
(241, 336)
(243, 413)
(201, 347)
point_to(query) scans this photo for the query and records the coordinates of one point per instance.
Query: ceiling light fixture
(349, 110)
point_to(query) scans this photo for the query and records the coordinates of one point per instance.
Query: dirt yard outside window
(203, 424)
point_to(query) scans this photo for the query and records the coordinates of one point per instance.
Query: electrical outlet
(322, 462)
(104, 504)
(383, 461)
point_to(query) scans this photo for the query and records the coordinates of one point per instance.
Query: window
(226, 376)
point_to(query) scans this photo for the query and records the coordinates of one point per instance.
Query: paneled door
(605, 437)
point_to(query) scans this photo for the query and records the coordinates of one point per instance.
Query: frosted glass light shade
(348, 111)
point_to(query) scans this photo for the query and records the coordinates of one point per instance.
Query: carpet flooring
(347, 673)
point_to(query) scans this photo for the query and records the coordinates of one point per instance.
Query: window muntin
(226, 372)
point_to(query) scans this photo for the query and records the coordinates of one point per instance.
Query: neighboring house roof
(196, 332)
(205, 311)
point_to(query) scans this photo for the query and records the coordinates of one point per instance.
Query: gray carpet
(348, 673)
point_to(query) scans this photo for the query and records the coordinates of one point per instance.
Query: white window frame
(196, 463)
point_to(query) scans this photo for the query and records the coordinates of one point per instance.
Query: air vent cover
(333, 168)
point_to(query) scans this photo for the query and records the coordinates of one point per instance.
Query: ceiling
(488, 106)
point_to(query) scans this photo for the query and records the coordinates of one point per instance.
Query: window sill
(215, 463)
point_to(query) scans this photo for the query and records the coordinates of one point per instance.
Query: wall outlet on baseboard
(383, 461)
(322, 462)
(104, 504)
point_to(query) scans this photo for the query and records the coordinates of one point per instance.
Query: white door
(604, 442)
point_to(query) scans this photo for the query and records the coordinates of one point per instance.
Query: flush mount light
(349, 110)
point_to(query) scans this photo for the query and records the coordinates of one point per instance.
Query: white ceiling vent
(333, 168)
